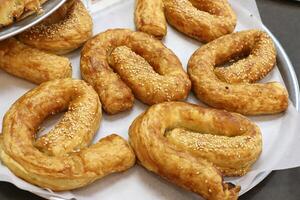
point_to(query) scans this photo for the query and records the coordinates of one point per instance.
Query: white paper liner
(280, 150)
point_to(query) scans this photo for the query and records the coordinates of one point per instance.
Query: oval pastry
(32, 64)
(64, 31)
(259, 59)
(143, 65)
(238, 94)
(61, 160)
(203, 20)
(188, 145)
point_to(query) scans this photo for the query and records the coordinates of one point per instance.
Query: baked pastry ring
(32, 64)
(11, 10)
(61, 160)
(144, 64)
(241, 96)
(203, 20)
(64, 31)
(188, 145)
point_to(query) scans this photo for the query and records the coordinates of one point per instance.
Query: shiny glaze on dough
(193, 146)
(61, 160)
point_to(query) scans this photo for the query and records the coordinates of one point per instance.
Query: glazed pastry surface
(61, 160)
(32, 64)
(14, 10)
(64, 31)
(235, 92)
(121, 64)
(193, 146)
(150, 17)
(203, 20)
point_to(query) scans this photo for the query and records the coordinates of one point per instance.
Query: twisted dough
(187, 144)
(241, 96)
(11, 10)
(61, 160)
(145, 65)
(204, 20)
(32, 64)
(64, 31)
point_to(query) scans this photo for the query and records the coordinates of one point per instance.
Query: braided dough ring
(32, 64)
(203, 20)
(242, 97)
(64, 31)
(61, 160)
(187, 144)
(144, 64)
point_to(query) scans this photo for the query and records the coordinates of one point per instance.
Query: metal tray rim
(18, 27)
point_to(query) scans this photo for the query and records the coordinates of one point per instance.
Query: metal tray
(49, 7)
(283, 63)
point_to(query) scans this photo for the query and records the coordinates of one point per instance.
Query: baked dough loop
(12, 10)
(64, 31)
(119, 61)
(61, 159)
(203, 20)
(32, 64)
(233, 89)
(193, 146)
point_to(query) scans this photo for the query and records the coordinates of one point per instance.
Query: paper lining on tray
(279, 158)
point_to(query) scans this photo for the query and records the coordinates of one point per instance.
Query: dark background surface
(282, 17)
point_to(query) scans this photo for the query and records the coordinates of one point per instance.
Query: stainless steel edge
(49, 7)
(290, 79)
(287, 71)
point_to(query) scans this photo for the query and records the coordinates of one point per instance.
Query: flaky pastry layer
(32, 64)
(204, 20)
(64, 31)
(119, 63)
(240, 96)
(193, 146)
(61, 160)
(14, 10)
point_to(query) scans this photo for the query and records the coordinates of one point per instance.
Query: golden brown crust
(61, 160)
(145, 65)
(32, 64)
(150, 17)
(167, 140)
(64, 31)
(254, 66)
(203, 20)
(14, 10)
(245, 98)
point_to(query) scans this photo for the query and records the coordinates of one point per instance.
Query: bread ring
(32, 64)
(66, 162)
(150, 17)
(167, 140)
(245, 98)
(64, 31)
(11, 10)
(261, 58)
(203, 20)
(131, 55)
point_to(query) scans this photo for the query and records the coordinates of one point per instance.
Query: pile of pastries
(189, 145)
